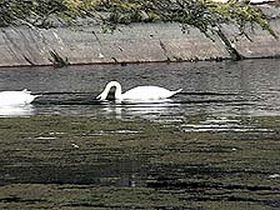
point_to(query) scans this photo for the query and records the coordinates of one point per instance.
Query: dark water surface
(249, 87)
(213, 146)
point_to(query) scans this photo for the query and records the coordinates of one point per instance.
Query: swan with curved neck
(16, 98)
(140, 93)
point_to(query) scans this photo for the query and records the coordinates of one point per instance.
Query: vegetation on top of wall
(205, 15)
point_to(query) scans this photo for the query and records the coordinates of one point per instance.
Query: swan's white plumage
(140, 93)
(16, 98)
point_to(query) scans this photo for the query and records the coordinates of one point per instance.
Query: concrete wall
(134, 43)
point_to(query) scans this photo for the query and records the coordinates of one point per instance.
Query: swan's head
(111, 91)
(110, 96)
(102, 96)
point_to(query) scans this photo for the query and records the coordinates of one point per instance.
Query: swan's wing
(147, 93)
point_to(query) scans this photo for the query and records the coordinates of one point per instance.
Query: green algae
(61, 162)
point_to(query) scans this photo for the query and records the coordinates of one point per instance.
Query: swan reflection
(144, 110)
(14, 111)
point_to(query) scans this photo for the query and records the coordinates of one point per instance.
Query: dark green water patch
(64, 162)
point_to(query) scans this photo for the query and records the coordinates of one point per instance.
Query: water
(213, 146)
(248, 87)
(245, 87)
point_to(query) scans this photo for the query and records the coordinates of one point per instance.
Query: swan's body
(16, 98)
(140, 93)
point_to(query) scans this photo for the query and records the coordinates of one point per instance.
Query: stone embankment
(158, 42)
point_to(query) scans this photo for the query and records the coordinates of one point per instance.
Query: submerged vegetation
(206, 15)
(62, 162)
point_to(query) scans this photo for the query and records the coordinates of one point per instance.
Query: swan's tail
(37, 95)
(30, 97)
(177, 91)
(26, 91)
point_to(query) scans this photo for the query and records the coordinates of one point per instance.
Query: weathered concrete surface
(134, 43)
(137, 43)
(261, 44)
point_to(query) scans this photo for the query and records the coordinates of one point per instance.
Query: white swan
(16, 98)
(140, 93)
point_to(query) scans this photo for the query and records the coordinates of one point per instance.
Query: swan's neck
(118, 92)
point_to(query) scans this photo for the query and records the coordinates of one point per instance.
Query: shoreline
(142, 62)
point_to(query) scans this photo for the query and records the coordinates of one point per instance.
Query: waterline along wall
(146, 42)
